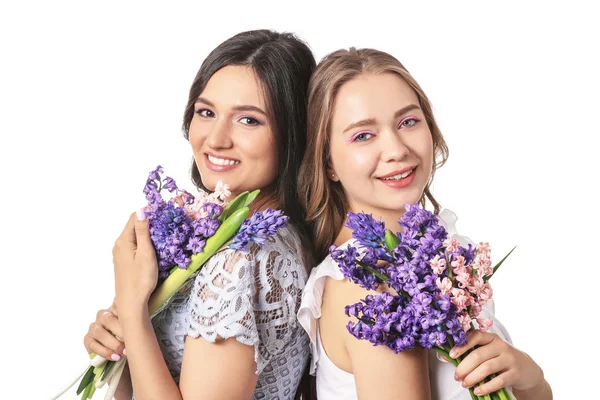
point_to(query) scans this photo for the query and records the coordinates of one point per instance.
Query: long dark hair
(284, 65)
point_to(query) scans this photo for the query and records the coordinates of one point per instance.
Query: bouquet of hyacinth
(186, 231)
(436, 287)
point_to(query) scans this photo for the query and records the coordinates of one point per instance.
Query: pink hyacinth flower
(484, 323)
(445, 285)
(463, 279)
(476, 285)
(465, 321)
(460, 298)
(486, 293)
(476, 309)
(451, 245)
(438, 264)
(222, 191)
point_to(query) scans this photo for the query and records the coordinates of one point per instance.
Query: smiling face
(231, 134)
(381, 148)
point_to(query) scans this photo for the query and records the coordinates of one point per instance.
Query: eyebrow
(236, 108)
(371, 121)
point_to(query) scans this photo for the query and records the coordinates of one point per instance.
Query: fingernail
(453, 353)
(464, 384)
(124, 352)
(115, 357)
(477, 391)
(140, 214)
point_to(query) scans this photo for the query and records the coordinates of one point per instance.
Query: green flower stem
(503, 394)
(374, 271)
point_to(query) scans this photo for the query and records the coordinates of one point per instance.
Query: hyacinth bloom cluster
(180, 226)
(186, 231)
(436, 288)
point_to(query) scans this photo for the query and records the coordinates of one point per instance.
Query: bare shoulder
(407, 373)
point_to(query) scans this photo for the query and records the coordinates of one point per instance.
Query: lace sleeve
(250, 295)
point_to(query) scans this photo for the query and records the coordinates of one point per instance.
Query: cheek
(196, 139)
(425, 152)
(260, 148)
(348, 160)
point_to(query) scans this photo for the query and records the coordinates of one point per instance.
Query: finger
(497, 383)
(112, 324)
(128, 234)
(142, 231)
(473, 339)
(477, 357)
(483, 370)
(96, 347)
(106, 339)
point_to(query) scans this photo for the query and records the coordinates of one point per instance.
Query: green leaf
(391, 240)
(485, 279)
(234, 205)
(107, 369)
(87, 378)
(87, 390)
(251, 197)
(92, 390)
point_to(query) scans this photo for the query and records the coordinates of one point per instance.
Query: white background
(92, 98)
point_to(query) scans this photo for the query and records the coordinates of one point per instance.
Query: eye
(205, 112)
(409, 122)
(362, 137)
(249, 121)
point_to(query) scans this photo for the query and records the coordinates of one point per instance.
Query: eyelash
(355, 137)
(203, 111)
(255, 121)
(413, 119)
(408, 119)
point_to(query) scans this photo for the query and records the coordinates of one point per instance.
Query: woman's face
(231, 135)
(381, 147)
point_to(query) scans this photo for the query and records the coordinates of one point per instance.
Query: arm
(150, 376)
(136, 274)
(208, 369)
(406, 375)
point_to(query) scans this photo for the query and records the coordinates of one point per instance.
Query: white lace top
(253, 296)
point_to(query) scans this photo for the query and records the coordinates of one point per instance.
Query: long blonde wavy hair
(324, 200)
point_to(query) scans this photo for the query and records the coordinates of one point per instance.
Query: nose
(219, 136)
(393, 147)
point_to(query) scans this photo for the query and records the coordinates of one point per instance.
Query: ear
(331, 175)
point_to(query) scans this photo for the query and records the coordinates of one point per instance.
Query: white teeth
(399, 176)
(221, 161)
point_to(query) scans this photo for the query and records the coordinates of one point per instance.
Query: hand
(495, 356)
(105, 335)
(136, 268)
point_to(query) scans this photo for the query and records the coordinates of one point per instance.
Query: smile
(399, 176)
(399, 179)
(219, 163)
